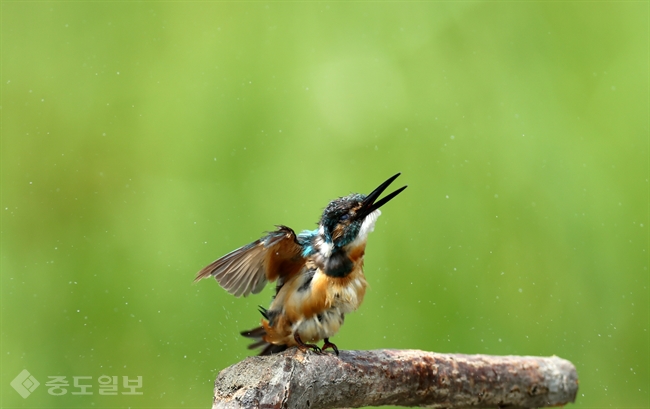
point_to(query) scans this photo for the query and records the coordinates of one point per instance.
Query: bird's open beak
(369, 205)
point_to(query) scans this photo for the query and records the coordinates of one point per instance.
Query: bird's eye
(345, 217)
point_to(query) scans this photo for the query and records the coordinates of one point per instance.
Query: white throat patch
(367, 227)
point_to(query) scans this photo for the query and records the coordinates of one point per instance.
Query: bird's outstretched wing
(248, 269)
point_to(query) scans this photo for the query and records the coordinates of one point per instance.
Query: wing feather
(247, 269)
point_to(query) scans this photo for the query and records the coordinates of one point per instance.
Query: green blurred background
(140, 141)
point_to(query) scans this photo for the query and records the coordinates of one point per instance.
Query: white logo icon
(25, 383)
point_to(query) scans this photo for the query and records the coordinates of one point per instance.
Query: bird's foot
(304, 347)
(328, 344)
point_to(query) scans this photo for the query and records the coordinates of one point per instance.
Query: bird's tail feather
(267, 348)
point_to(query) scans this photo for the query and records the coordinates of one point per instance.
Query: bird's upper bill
(370, 204)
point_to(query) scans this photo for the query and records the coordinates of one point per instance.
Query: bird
(318, 273)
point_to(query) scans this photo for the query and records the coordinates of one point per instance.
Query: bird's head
(352, 217)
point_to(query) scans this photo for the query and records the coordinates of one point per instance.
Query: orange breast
(297, 305)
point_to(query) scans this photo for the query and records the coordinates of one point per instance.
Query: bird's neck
(337, 261)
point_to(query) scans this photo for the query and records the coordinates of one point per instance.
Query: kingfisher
(318, 273)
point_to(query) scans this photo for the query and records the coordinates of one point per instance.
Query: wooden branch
(293, 379)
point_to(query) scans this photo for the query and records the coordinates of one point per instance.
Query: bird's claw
(305, 347)
(328, 344)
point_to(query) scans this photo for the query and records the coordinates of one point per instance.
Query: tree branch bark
(293, 379)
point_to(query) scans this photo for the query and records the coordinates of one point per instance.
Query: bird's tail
(258, 335)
